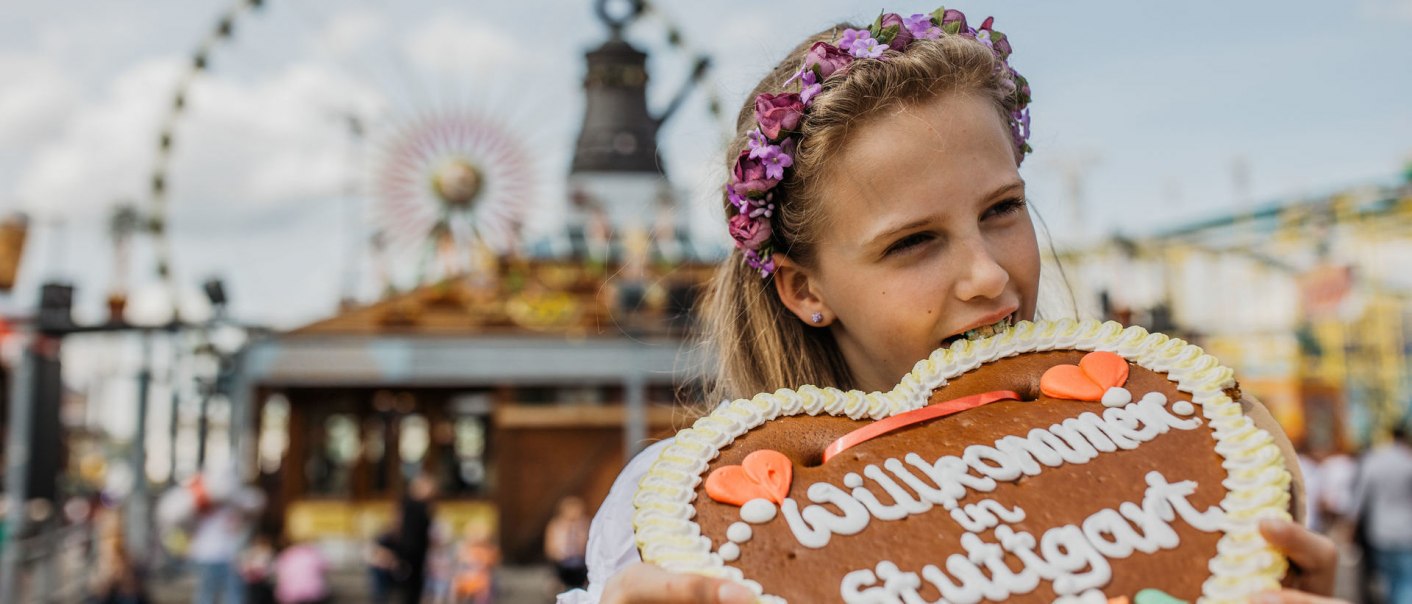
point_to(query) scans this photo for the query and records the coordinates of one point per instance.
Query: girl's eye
(906, 243)
(1009, 206)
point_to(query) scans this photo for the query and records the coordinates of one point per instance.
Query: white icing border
(1257, 481)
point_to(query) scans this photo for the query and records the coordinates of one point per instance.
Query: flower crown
(770, 147)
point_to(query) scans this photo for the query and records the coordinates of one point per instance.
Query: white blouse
(610, 544)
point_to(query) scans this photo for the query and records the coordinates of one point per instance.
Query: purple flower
(921, 27)
(775, 162)
(810, 87)
(866, 47)
(984, 37)
(755, 141)
(765, 264)
(741, 202)
(903, 35)
(748, 177)
(778, 113)
(849, 36)
(824, 59)
(749, 233)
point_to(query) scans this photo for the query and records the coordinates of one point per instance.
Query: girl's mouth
(983, 331)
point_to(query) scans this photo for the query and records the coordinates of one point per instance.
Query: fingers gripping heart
(764, 474)
(1087, 381)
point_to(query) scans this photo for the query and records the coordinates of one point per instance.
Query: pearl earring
(817, 318)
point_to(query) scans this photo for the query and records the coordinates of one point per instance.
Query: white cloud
(276, 140)
(349, 32)
(104, 149)
(37, 101)
(457, 46)
(251, 143)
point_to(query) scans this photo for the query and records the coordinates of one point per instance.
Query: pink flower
(953, 21)
(749, 178)
(903, 36)
(825, 59)
(1001, 44)
(778, 112)
(749, 233)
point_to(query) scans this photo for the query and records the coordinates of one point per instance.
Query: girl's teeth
(996, 328)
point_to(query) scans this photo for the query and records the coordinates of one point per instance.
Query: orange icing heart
(1087, 381)
(764, 474)
(1106, 369)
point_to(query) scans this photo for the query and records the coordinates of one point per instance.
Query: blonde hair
(759, 344)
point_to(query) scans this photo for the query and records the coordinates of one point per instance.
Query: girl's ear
(799, 292)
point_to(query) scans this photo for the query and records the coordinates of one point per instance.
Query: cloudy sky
(1157, 107)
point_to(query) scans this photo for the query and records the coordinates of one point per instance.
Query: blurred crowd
(412, 559)
(1365, 504)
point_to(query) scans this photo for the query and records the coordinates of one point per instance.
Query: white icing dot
(758, 511)
(1183, 408)
(1117, 397)
(729, 552)
(739, 532)
(852, 480)
(1156, 397)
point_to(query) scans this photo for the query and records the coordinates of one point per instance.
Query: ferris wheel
(446, 181)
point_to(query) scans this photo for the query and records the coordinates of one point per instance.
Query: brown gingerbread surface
(1055, 497)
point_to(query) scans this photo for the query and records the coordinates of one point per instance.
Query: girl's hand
(648, 584)
(1313, 559)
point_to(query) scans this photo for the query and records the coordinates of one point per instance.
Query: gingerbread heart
(764, 474)
(1087, 381)
(1041, 499)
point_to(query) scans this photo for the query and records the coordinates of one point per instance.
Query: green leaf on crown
(887, 35)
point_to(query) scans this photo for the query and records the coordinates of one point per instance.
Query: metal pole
(243, 425)
(17, 474)
(173, 427)
(137, 523)
(202, 427)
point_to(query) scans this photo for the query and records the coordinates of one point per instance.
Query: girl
(878, 214)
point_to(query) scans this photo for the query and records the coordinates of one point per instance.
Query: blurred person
(415, 539)
(1338, 473)
(1383, 500)
(224, 512)
(566, 542)
(115, 579)
(257, 570)
(476, 559)
(385, 568)
(441, 562)
(301, 575)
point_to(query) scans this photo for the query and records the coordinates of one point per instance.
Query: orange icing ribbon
(1087, 381)
(883, 426)
(763, 474)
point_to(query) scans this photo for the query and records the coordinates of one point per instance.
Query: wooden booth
(513, 398)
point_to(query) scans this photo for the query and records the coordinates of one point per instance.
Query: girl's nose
(983, 277)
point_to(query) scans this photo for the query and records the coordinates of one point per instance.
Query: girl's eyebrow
(888, 232)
